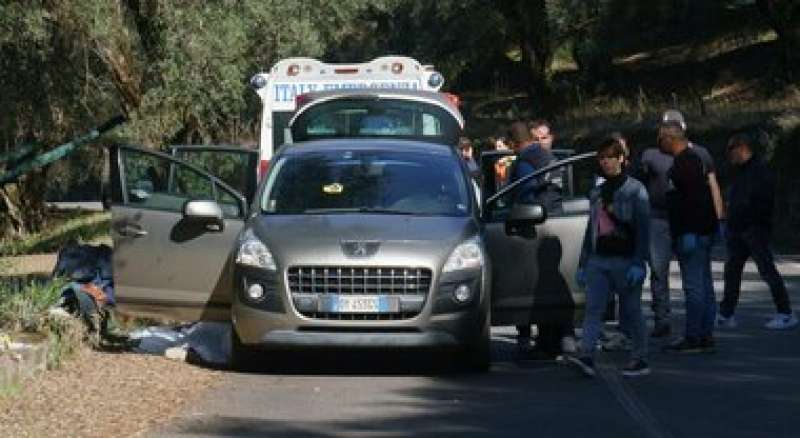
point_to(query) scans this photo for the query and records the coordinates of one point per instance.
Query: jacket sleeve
(642, 219)
(586, 248)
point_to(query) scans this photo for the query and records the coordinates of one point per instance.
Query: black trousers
(742, 245)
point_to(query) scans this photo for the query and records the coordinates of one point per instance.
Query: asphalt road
(749, 388)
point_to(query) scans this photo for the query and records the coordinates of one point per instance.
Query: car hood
(395, 240)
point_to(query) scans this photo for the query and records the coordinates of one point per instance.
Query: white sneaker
(725, 323)
(569, 345)
(782, 321)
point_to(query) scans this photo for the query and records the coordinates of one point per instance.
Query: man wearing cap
(653, 169)
(751, 197)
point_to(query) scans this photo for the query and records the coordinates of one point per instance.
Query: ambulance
(279, 88)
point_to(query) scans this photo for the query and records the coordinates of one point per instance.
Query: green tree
(783, 16)
(177, 68)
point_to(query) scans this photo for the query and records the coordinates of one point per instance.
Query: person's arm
(716, 195)
(586, 248)
(642, 227)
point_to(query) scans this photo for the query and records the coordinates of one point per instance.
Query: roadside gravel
(100, 394)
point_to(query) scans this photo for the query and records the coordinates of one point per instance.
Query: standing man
(693, 222)
(612, 260)
(532, 157)
(653, 169)
(751, 197)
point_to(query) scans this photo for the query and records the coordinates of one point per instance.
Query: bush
(27, 311)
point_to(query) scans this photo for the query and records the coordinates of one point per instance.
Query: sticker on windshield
(333, 189)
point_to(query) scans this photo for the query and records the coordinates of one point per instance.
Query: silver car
(348, 242)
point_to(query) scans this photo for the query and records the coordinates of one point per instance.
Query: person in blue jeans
(612, 260)
(693, 223)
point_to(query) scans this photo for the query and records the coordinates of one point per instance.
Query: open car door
(174, 227)
(533, 269)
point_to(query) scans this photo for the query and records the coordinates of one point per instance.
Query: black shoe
(661, 331)
(534, 353)
(685, 345)
(585, 364)
(708, 345)
(635, 368)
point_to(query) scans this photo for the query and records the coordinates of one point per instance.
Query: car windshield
(366, 181)
(373, 117)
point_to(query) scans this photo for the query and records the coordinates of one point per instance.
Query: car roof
(431, 97)
(340, 144)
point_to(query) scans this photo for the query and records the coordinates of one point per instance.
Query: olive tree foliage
(783, 16)
(177, 69)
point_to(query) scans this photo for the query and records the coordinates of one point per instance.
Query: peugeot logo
(359, 248)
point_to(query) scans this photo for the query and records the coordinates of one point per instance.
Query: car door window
(571, 181)
(235, 167)
(157, 182)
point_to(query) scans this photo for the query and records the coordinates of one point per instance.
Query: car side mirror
(523, 219)
(206, 213)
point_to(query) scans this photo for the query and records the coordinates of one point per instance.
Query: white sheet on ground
(209, 340)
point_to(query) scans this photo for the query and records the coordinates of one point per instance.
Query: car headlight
(253, 252)
(467, 255)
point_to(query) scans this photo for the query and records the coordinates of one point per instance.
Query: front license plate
(360, 304)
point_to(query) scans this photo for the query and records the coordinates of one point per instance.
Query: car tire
(241, 356)
(477, 357)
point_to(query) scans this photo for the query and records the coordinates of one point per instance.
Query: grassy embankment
(25, 300)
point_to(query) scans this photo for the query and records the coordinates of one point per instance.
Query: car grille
(348, 280)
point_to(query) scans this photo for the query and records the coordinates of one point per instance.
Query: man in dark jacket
(692, 221)
(532, 157)
(750, 204)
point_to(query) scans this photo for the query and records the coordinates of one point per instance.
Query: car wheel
(241, 356)
(477, 356)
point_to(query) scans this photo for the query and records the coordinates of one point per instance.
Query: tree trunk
(783, 16)
(14, 223)
(530, 21)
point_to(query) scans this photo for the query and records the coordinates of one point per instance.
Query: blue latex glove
(580, 277)
(687, 243)
(635, 275)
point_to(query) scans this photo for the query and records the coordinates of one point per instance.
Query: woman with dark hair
(613, 256)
